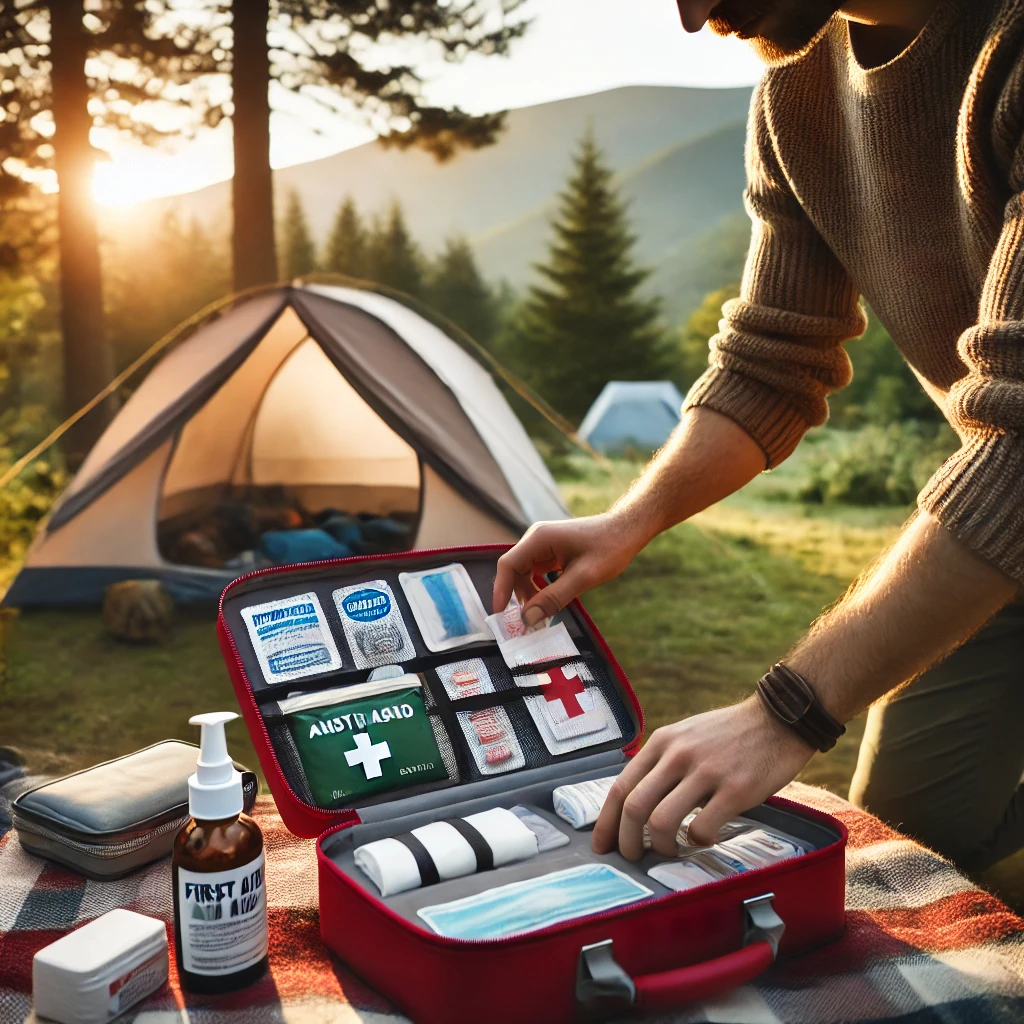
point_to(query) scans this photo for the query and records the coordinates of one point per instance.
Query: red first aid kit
(665, 950)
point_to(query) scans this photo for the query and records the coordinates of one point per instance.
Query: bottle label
(223, 919)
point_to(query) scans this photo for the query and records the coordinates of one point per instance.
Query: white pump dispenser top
(215, 791)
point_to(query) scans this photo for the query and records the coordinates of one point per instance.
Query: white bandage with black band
(447, 849)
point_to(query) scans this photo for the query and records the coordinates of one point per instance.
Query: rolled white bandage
(399, 864)
(580, 803)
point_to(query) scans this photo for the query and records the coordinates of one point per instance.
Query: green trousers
(942, 759)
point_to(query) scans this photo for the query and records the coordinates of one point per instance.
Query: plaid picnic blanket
(922, 943)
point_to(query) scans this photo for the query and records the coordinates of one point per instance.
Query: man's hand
(725, 761)
(707, 457)
(585, 551)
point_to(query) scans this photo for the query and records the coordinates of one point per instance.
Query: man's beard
(779, 30)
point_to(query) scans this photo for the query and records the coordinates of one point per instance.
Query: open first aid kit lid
(374, 686)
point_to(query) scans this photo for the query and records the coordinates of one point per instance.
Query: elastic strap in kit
(789, 697)
(424, 862)
(429, 874)
(481, 848)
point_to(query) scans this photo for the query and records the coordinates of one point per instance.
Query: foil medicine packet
(468, 678)
(446, 606)
(363, 739)
(291, 638)
(373, 624)
(507, 624)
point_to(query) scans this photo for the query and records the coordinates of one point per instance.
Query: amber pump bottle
(220, 900)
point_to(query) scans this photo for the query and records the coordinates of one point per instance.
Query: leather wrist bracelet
(789, 697)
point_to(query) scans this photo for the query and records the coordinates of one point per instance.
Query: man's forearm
(707, 458)
(926, 596)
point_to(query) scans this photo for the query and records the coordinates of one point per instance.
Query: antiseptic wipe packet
(291, 638)
(366, 738)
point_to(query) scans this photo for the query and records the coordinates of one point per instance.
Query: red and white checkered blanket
(922, 943)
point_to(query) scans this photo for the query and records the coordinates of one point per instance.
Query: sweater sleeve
(978, 493)
(779, 351)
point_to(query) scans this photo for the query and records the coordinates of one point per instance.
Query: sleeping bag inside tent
(304, 422)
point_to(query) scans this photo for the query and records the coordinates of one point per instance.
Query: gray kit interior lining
(537, 796)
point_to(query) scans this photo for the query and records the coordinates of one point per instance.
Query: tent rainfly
(629, 413)
(343, 398)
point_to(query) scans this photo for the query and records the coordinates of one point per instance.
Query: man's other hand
(725, 761)
(585, 551)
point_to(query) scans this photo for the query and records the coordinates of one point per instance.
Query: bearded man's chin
(785, 34)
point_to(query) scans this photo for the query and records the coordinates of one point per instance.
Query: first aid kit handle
(602, 986)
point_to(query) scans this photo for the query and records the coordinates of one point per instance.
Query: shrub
(879, 466)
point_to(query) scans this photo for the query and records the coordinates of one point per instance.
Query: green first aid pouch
(365, 738)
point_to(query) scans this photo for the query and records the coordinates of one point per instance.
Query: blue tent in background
(632, 414)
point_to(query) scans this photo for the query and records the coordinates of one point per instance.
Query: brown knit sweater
(902, 183)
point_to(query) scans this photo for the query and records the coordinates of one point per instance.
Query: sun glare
(133, 177)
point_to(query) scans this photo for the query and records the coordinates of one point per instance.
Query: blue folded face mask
(535, 903)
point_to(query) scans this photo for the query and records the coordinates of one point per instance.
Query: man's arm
(707, 458)
(927, 595)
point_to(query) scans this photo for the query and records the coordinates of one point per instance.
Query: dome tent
(627, 413)
(346, 397)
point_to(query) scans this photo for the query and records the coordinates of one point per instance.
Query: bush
(879, 466)
(29, 497)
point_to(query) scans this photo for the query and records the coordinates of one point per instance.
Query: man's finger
(516, 568)
(550, 600)
(638, 807)
(703, 830)
(664, 821)
(606, 829)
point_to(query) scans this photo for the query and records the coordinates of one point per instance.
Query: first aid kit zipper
(106, 851)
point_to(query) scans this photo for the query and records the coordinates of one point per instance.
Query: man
(885, 157)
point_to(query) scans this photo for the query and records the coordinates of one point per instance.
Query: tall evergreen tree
(345, 252)
(329, 50)
(298, 253)
(457, 290)
(395, 259)
(586, 323)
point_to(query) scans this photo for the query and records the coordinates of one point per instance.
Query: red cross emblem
(566, 689)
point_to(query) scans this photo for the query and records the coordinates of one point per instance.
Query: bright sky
(574, 47)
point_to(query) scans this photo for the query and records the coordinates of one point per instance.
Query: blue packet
(446, 606)
(534, 903)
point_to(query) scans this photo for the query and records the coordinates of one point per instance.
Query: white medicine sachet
(373, 624)
(541, 645)
(509, 623)
(446, 606)
(681, 874)
(291, 638)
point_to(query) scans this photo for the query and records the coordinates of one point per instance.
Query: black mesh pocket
(288, 758)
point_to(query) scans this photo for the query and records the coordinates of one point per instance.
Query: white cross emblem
(368, 754)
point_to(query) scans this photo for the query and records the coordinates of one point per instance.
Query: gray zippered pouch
(108, 820)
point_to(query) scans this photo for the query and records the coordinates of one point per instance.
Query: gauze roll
(441, 850)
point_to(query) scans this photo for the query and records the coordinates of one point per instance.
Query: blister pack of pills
(492, 740)
(468, 678)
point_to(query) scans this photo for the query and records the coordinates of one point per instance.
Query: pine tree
(298, 253)
(457, 290)
(394, 259)
(697, 333)
(586, 323)
(346, 247)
